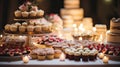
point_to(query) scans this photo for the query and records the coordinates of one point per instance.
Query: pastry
(7, 27)
(33, 13)
(30, 28)
(25, 14)
(13, 28)
(50, 54)
(24, 23)
(40, 13)
(18, 14)
(38, 29)
(41, 54)
(17, 24)
(57, 53)
(22, 29)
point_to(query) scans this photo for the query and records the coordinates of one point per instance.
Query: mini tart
(25, 14)
(18, 13)
(57, 53)
(33, 13)
(22, 29)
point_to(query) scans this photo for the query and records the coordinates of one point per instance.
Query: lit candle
(62, 57)
(74, 25)
(25, 59)
(81, 28)
(105, 59)
(1, 36)
(100, 40)
(101, 55)
(94, 29)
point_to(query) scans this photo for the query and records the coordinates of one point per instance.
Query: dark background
(100, 10)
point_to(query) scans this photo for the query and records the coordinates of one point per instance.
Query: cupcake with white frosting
(22, 29)
(25, 14)
(18, 13)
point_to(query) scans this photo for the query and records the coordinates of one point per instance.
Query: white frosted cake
(77, 14)
(114, 35)
(115, 25)
(71, 3)
(88, 23)
(67, 21)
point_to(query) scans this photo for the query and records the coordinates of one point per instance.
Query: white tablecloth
(58, 63)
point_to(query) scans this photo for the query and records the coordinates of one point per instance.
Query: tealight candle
(25, 59)
(62, 57)
(101, 55)
(105, 59)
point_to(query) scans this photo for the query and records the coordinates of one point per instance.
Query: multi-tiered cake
(114, 35)
(71, 8)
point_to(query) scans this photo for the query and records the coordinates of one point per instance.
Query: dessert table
(58, 63)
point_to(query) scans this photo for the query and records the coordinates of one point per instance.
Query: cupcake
(22, 29)
(17, 24)
(77, 56)
(13, 28)
(7, 27)
(85, 56)
(33, 13)
(41, 54)
(66, 51)
(33, 54)
(25, 14)
(57, 53)
(91, 56)
(46, 28)
(24, 24)
(37, 29)
(71, 55)
(30, 28)
(50, 54)
(17, 13)
(96, 53)
(40, 13)
(32, 23)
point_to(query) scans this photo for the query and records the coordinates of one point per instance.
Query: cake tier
(71, 3)
(115, 38)
(77, 14)
(114, 27)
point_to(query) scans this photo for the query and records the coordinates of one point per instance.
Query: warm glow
(100, 38)
(1, 35)
(94, 29)
(105, 59)
(62, 57)
(80, 38)
(74, 25)
(25, 59)
(81, 28)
